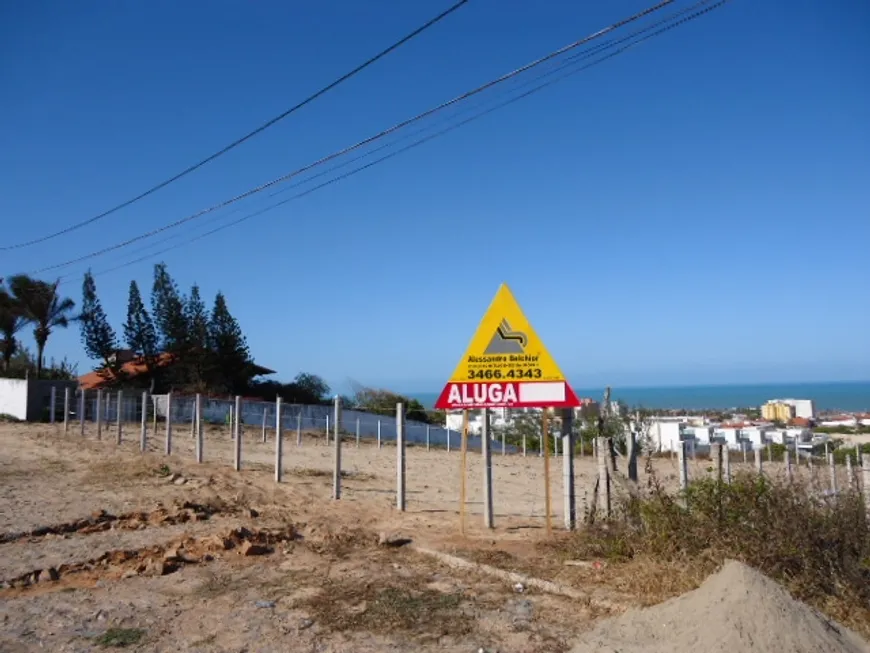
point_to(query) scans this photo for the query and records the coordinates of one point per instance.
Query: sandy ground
(322, 583)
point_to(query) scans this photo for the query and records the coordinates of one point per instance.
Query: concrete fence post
(716, 457)
(82, 407)
(66, 394)
(119, 434)
(787, 460)
(833, 469)
(631, 452)
(279, 442)
(865, 480)
(683, 466)
(448, 439)
(99, 414)
(197, 426)
(143, 428)
(524, 445)
(265, 415)
(486, 452)
(400, 457)
(237, 434)
(52, 405)
(168, 444)
(850, 477)
(327, 430)
(428, 443)
(299, 428)
(357, 432)
(769, 453)
(503, 443)
(603, 477)
(336, 469)
(379, 434)
(759, 465)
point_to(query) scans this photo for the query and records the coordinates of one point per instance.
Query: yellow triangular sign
(505, 360)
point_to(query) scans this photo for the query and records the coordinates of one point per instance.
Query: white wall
(13, 397)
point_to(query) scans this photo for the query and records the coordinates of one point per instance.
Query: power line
(568, 64)
(244, 138)
(364, 142)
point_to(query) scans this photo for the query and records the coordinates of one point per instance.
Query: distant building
(802, 407)
(778, 411)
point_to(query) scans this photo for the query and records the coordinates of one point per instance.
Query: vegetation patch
(386, 609)
(120, 637)
(661, 544)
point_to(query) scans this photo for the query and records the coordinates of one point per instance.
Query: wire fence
(515, 486)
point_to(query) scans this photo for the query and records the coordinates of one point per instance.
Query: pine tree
(167, 310)
(139, 329)
(200, 358)
(232, 357)
(98, 336)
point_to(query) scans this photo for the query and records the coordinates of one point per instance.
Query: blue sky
(692, 211)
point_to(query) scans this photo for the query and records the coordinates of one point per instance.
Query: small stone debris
(305, 624)
(173, 477)
(253, 513)
(49, 575)
(180, 481)
(248, 548)
(392, 540)
(265, 604)
(519, 588)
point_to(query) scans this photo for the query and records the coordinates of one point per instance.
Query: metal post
(118, 418)
(400, 457)
(82, 408)
(66, 394)
(197, 426)
(237, 435)
(486, 451)
(168, 448)
(448, 439)
(726, 463)
(427, 438)
(568, 495)
(279, 442)
(327, 430)
(336, 470)
(99, 414)
(379, 434)
(143, 429)
(357, 432)
(53, 404)
(603, 477)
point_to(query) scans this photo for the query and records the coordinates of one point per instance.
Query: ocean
(846, 396)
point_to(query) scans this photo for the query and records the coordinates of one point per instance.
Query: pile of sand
(737, 610)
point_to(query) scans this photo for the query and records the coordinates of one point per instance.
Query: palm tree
(11, 320)
(42, 306)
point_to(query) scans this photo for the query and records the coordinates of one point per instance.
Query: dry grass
(386, 608)
(656, 548)
(122, 472)
(308, 472)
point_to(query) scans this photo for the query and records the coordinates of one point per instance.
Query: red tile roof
(133, 368)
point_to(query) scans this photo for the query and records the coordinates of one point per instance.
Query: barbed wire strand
(246, 137)
(366, 141)
(425, 139)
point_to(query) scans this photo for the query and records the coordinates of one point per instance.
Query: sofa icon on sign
(506, 340)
